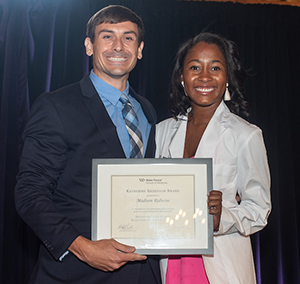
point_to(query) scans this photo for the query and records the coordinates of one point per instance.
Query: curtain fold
(14, 113)
(41, 49)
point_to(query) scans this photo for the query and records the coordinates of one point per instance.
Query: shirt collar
(107, 91)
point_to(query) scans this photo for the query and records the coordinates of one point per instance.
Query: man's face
(115, 50)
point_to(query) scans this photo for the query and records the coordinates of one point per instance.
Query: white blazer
(239, 165)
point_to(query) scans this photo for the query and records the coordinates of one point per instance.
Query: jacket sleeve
(253, 186)
(42, 162)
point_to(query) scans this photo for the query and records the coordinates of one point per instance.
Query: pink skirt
(186, 270)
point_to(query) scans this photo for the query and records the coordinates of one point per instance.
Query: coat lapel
(214, 131)
(101, 117)
(176, 147)
(151, 117)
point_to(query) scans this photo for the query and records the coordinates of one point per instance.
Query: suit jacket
(239, 166)
(66, 130)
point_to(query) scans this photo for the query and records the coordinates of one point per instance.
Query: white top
(239, 165)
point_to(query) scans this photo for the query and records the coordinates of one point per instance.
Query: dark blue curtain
(41, 49)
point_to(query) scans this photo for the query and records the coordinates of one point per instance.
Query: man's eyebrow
(105, 31)
(130, 32)
(112, 31)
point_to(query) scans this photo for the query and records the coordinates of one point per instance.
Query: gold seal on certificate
(157, 205)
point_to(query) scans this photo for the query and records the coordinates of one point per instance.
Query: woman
(207, 71)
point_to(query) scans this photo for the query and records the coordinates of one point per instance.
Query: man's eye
(107, 36)
(129, 38)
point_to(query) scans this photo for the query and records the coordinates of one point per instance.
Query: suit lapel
(151, 117)
(179, 131)
(214, 131)
(101, 117)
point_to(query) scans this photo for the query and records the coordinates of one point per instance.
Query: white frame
(103, 172)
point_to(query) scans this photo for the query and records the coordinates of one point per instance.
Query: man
(66, 130)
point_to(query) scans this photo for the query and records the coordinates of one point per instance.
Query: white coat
(239, 166)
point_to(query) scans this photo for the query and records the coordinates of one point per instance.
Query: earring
(227, 94)
(182, 83)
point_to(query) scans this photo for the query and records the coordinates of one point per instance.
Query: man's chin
(119, 73)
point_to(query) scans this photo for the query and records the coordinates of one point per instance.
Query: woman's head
(231, 69)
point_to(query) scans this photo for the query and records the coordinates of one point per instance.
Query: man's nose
(118, 45)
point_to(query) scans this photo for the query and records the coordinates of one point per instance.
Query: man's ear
(140, 50)
(88, 46)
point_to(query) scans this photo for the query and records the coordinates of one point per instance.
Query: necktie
(131, 122)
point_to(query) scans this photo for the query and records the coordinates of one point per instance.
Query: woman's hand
(214, 203)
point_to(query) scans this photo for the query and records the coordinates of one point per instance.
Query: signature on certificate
(125, 227)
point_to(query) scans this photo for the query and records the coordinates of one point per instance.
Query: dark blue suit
(66, 130)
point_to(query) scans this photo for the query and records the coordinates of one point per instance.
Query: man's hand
(106, 255)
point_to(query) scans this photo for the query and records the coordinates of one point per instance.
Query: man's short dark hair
(114, 14)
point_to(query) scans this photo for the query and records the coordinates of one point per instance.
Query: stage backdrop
(41, 49)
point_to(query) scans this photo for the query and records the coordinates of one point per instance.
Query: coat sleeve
(42, 162)
(253, 186)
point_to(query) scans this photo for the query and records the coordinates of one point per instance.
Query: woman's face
(204, 75)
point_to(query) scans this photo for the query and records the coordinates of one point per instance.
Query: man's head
(114, 14)
(115, 40)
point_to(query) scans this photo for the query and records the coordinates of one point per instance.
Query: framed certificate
(157, 205)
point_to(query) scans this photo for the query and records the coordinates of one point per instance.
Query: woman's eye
(216, 68)
(194, 68)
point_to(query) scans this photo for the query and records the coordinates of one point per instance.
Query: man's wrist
(77, 245)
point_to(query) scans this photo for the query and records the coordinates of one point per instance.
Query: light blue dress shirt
(110, 97)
